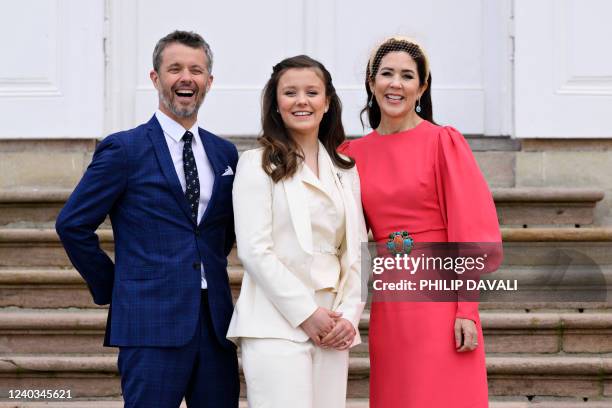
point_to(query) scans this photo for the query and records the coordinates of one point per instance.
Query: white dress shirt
(173, 133)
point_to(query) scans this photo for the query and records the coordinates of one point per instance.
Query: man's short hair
(188, 38)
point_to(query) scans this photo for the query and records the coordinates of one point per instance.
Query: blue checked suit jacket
(153, 286)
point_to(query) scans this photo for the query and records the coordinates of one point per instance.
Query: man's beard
(176, 110)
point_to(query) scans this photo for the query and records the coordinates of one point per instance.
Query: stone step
(542, 332)
(517, 206)
(89, 376)
(117, 403)
(584, 377)
(95, 376)
(63, 287)
(566, 283)
(43, 288)
(558, 247)
(39, 247)
(53, 331)
(31, 206)
(59, 287)
(82, 331)
(547, 235)
(350, 403)
(525, 206)
(524, 246)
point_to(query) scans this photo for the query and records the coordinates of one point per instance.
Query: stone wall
(505, 162)
(568, 163)
(43, 163)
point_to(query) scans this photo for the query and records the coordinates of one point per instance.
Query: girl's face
(301, 98)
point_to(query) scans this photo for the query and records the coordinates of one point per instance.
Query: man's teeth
(302, 113)
(395, 97)
(184, 93)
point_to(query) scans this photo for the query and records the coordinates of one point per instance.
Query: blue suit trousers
(202, 371)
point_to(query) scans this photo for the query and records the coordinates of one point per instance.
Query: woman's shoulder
(352, 147)
(452, 145)
(447, 132)
(258, 151)
(250, 173)
(363, 140)
(251, 160)
(252, 155)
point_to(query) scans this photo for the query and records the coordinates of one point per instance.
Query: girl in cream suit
(299, 227)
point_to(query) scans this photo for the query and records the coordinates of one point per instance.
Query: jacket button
(196, 266)
(197, 232)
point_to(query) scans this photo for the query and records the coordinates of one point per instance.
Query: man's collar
(172, 128)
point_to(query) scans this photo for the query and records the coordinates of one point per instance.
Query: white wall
(79, 68)
(464, 40)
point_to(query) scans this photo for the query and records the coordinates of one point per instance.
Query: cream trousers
(282, 373)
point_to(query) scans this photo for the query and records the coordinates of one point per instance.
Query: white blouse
(327, 220)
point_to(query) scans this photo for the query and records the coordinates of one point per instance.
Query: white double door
(563, 68)
(75, 68)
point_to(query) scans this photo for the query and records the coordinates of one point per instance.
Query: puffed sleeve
(467, 205)
(252, 198)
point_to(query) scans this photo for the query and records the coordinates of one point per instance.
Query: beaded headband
(399, 43)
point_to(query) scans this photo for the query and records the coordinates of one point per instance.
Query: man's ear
(209, 82)
(154, 77)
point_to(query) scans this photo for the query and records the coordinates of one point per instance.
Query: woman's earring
(418, 106)
(277, 111)
(370, 101)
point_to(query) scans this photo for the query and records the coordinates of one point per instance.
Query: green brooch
(400, 243)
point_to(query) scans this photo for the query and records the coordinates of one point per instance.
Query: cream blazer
(274, 239)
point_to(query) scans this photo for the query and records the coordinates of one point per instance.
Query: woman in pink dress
(422, 178)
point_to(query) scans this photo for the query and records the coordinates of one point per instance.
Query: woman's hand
(465, 329)
(341, 337)
(319, 324)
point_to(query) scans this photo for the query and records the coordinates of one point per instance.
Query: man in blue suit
(167, 186)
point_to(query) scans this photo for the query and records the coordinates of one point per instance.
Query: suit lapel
(350, 210)
(343, 181)
(300, 214)
(216, 164)
(298, 209)
(156, 135)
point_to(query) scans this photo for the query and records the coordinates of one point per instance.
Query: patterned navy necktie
(192, 182)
